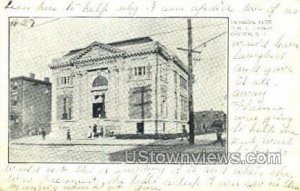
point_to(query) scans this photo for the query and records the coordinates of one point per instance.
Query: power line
(205, 42)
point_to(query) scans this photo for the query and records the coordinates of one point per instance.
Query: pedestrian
(95, 130)
(43, 133)
(101, 131)
(69, 135)
(184, 134)
(90, 132)
(219, 136)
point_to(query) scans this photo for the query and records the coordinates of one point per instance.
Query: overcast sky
(32, 49)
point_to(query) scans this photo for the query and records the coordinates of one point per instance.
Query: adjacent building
(126, 87)
(29, 106)
(206, 120)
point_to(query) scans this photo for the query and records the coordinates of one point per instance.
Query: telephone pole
(190, 52)
(190, 84)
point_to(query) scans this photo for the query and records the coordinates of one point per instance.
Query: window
(15, 120)
(183, 83)
(164, 72)
(15, 85)
(67, 110)
(184, 108)
(100, 81)
(217, 115)
(14, 103)
(140, 102)
(14, 100)
(65, 80)
(140, 71)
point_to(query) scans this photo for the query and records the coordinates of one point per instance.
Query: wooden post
(190, 50)
(190, 85)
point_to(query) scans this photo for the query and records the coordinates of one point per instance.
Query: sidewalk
(52, 141)
(99, 150)
(38, 140)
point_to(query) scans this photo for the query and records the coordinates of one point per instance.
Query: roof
(128, 42)
(131, 41)
(125, 48)
(209, 111)
(73, 52)
(30, 80)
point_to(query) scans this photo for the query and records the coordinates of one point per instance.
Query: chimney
(32, 75)
(46, 79)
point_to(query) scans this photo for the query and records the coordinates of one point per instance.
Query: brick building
(126, 87)
(29, 106)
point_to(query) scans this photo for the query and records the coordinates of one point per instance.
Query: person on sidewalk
(95, 130)
(69, 135)
(43, 133)
(219, 136)
(184, 134)
(90, 132)
(102, 131)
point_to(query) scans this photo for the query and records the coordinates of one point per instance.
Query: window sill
(66, 86)
(139, 78)
(67, 120)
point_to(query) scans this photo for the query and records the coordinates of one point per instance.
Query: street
(102, 150)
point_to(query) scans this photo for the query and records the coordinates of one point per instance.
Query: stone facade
(29, 106)
(126, 87)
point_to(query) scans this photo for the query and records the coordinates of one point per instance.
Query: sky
(33, 48)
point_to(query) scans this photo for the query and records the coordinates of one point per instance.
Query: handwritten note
(140, 177)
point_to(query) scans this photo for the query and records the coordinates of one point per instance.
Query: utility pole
(190, 52)
(190, 84)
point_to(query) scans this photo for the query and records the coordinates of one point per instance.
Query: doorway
(140, 127)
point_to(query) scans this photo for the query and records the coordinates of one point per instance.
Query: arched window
(100, 81)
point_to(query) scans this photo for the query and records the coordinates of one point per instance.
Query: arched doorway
(99, 88)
